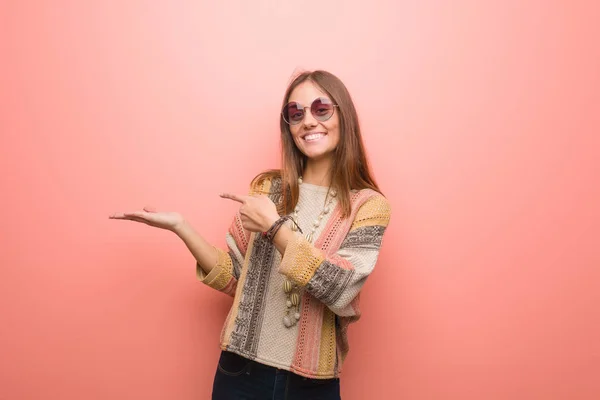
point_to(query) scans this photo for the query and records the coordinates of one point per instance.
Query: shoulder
(372, 208)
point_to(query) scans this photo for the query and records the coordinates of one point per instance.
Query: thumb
(150, 209)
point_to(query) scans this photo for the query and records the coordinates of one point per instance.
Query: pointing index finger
(231, 196)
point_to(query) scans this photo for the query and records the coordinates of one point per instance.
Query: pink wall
(482, 123)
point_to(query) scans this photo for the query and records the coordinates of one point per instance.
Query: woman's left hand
(258, 213)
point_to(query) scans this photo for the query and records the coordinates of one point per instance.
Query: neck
(317, 172)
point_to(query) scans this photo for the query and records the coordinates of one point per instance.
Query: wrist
(281, 231)
(180, 227)
(270, 222)
(270, 233)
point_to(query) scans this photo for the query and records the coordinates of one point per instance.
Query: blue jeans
(238, 378)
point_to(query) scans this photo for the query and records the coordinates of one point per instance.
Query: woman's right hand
(149, 216)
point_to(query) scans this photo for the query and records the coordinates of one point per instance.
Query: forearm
(204, 253)
(281, 239)
(334, 279)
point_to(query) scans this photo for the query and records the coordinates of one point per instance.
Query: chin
(318, 155)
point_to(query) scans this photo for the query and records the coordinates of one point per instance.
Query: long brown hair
(349, 170)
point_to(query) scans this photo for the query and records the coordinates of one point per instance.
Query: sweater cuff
(220, 276)
(300, 260)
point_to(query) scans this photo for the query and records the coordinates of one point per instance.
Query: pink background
(481, 119)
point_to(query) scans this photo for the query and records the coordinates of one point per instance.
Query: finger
(251, 227)
(139, 220)
(150, 209)
(126, 216)
(234, 197)
(117, 216)
(137, 214)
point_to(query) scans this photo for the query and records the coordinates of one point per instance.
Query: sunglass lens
(322, 108)
(293, 113)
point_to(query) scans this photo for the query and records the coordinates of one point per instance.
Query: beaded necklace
(290, 288)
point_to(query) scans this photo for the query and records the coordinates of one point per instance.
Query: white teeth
(313, 136)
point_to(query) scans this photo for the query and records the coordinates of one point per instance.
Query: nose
(309, 120)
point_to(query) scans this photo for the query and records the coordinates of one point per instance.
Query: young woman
(304, 241)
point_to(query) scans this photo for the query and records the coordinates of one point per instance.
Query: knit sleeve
(336, 280)
(225, 274)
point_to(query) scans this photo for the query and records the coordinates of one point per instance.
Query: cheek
(334, 131)
(336, 139)
(295, 131)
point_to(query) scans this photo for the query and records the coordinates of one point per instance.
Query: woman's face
(314, 138)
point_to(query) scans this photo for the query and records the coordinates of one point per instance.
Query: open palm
(149, 216)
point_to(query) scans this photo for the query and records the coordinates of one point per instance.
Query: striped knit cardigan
(330, 281)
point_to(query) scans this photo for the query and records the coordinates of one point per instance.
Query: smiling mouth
(313, 137)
